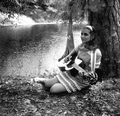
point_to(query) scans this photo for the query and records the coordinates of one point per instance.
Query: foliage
(19, 97)
(74, 6)
(63, 7)
(21, 6)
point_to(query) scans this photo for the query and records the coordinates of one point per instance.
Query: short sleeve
(98, 58)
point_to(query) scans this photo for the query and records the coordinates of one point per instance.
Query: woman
(73, 80)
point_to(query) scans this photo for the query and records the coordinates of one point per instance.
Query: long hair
(92, 43)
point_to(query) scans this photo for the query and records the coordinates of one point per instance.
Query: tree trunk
(70, 40)
(104, 17)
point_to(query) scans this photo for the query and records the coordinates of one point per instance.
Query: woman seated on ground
(73, 80)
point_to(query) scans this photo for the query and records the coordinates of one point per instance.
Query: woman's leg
(47, 82)
(54, 85)
(50, 82)
(57, 88)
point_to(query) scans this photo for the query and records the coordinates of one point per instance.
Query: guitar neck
(78, 68)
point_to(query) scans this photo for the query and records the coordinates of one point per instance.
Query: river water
(32, 50)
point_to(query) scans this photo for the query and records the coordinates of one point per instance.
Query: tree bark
(105, 20)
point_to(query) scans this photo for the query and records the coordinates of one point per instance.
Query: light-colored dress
(74, 83)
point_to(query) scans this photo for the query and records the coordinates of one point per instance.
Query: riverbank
(33, 49)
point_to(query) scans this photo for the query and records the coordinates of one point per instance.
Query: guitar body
(72, 67)
(67, 66)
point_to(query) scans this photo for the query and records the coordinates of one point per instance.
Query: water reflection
(33, 49)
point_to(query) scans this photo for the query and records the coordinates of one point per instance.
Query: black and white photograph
(59, 57)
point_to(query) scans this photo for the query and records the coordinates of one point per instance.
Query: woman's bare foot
(38, 80)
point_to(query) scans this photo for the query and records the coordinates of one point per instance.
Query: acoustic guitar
(70, 65)
(92, 76)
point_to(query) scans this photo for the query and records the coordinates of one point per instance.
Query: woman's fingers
(67, 59)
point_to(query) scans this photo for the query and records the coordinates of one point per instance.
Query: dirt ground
(19, 97)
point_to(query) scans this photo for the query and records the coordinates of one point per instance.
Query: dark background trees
(20, 6)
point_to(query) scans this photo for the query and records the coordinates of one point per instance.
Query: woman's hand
(82, 73)
(67, 58)
(92, 74)
(93, 77)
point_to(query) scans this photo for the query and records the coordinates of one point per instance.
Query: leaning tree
(104, 15)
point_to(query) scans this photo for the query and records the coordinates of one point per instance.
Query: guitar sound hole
(73, 72)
